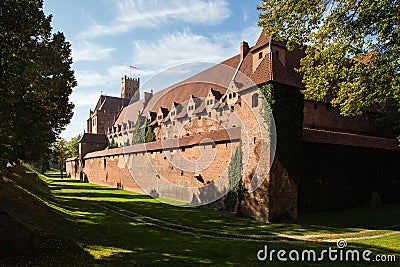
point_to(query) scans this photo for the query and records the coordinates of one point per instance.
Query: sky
(108, 36)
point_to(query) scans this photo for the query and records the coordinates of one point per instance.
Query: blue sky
(108, 36)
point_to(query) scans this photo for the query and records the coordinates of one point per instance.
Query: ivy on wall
(286, 105)
(235, 195)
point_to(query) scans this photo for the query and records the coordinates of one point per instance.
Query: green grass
(80, 224)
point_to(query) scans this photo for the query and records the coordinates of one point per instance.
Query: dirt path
(220, 234)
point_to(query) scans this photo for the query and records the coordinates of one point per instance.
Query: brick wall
(210, 161)
(321, 115)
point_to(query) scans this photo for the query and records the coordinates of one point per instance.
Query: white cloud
(88, 51)
(154, 13)
(176, 48)
(90, 78)
(84, 99)
(184, 47)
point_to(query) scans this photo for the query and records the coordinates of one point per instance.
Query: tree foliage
(35, 81)
(143, 132)
(73, 146)
(150, 134)
(352, 49)
(60, 152)
(139, 131)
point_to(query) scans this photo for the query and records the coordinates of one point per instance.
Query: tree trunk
(61, 169)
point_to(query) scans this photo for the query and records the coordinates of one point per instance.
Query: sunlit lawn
(105, 226)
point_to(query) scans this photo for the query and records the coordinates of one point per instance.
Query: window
(209, 114)
(191, 107)
(254, 102)
(172, 113)
(160, 117)
(234, 94)
(276, 52)
(230, 96)
(260, 55)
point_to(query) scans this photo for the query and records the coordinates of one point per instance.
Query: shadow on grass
(109, 239)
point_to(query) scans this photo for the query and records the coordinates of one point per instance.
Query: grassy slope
(67, 224)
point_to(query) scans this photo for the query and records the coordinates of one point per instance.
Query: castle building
(108, 107)
(310, 159)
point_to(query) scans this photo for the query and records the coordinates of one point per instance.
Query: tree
(35, 82)
(73, 145)
(352, 50)
(113, 144)
(150, 134)
(60, 152)
(139, 131)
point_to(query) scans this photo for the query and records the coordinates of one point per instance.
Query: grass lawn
(47, 221)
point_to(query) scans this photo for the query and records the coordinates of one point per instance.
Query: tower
(130, 88)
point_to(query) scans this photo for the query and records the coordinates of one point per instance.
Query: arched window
(254, 102)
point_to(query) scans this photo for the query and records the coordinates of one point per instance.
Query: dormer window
(260, 55)
(160, 117)
(172, 113)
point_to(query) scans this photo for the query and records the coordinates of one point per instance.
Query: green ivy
(285, 105)
(235, 195)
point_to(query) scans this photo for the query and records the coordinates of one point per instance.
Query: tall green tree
(150, 134)
(73, 145)
(60, 152)
(36, 81)
(139, 134)
(352, 50)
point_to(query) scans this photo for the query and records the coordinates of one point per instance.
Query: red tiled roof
(348, 139)
(220, 76)
(233, 134)
(264, 40)
(94, 138)
(111, 103)
(366, 58)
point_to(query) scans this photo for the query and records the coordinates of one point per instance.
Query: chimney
(244, 49)
(147, 97)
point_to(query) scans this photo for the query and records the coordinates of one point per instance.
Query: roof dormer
(162, 113)
(193, 103)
